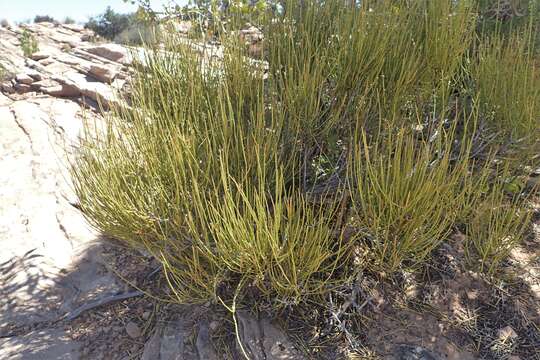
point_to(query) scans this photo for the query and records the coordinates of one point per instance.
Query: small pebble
(506, 333)
(472, 294)
(133, 330)
(146, 315)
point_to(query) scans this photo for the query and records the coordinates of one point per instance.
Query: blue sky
(80, 10)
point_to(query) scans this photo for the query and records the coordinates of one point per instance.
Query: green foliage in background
(129, 29)
(109, 24)
(29, 44)
(368, 136)
(44, 18)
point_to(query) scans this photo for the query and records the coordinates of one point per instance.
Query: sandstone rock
(41, 344)
(37, 76)
(61, 90)
(113, 52)
(97, 91)
(46, 62)
(22, 88)
(7, 87)
(74, 27)
(42, 280)
(87, 36)
(52, 268)
(40, 55)
(4, 100)
(24, 79)
(103, 73)
(71, 40)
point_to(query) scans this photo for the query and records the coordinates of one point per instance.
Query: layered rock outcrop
(50, 263)
(66, 64)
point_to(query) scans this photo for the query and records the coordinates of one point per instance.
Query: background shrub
(127, 29)
(497, 224)
(44, 18)
(109, 24)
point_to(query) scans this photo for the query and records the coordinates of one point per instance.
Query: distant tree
(110, 23)
(44, 18)
(69, 20)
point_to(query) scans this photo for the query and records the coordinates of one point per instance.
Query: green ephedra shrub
(29, 44)
(356, 144)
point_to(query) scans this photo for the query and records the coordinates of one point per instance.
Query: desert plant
(29, 44)
(4, 23)
(508, 83)
(497, 225)
(44, 18)
(260, 181)
(109, 24)
(68, 20)
(405, 195)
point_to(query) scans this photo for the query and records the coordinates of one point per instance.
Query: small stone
(146, 315)
(39, 56)
(506, 333)
(7, 87)
(103, 73)
(113, 52)
(133, 330)
(35, 75)
(22, 88)
(411, 292)
(214, 325)
(61, 90)
(46, 62)
(24, 79)
(74, 27)
(472, 294)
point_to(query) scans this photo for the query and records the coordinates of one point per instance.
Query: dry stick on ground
(108, 300)
(97, 303)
